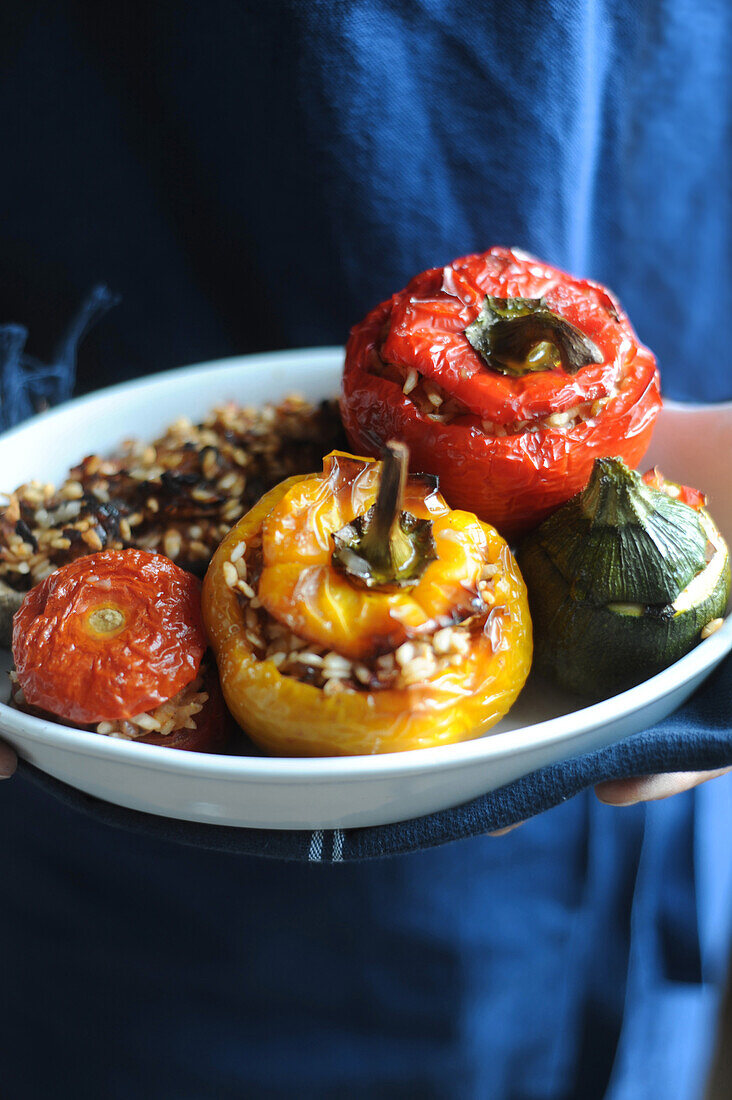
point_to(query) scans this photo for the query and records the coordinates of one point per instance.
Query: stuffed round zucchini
(506, 377)
(623, 580)
(353, 612)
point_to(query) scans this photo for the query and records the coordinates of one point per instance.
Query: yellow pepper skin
(291, 718)
(300, 588)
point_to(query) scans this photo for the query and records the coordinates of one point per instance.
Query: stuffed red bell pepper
(505, 377)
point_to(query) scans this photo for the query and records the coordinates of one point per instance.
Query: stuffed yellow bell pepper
(353, 612)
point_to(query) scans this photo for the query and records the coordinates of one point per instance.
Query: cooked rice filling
(415, 661)
(178, 713)
(434, 403)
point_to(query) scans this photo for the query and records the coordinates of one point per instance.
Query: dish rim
(336, 769)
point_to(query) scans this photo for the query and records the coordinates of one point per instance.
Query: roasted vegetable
(108, 636)
(505, 377)
(206, 727)
(623, 580)
(113, 643)
(353, 612)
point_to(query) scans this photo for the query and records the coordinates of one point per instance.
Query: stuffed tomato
(113, 643)
(507, 378)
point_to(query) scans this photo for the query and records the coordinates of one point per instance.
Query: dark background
(189, 156)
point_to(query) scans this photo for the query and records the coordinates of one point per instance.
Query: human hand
(649, 788)
(644, 788)
(8, 761)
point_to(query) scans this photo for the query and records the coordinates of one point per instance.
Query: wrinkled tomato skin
(517, 480)
(511, 482)
(67, 669)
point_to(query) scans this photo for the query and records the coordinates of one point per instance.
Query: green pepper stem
(382, 540)
(386, 547)
(517, 336)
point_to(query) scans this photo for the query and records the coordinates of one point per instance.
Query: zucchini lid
(620, 541)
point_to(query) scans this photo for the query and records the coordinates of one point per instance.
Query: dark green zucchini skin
(622, 580)
(593, 651)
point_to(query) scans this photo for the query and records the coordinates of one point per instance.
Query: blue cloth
(547, 963)
(696, 738)
(252, 176)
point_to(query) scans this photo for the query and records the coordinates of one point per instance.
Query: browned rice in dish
(177, 496)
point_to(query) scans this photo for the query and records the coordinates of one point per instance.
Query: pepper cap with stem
(517, 336)
(386, 547)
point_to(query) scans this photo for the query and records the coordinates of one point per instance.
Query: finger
(508, 829)
(650, 788)
(8, 761)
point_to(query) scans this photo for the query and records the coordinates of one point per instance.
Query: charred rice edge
(273, 424)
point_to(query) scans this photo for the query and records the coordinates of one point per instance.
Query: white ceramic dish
(258, 792)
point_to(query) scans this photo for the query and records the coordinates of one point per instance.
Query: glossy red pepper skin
(511, 480)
